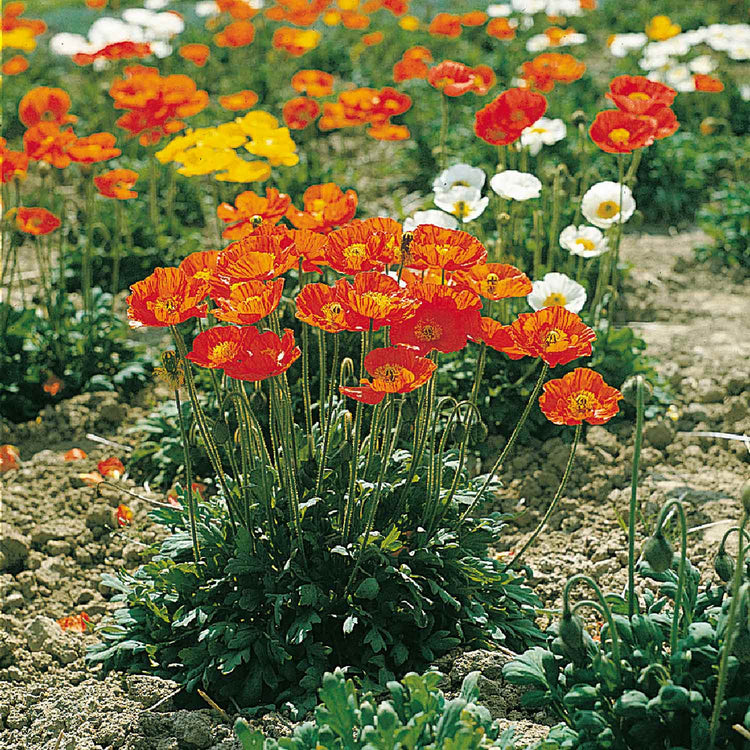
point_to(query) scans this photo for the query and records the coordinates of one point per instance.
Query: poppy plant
(112, 468)
(455, 79)
(200, 266)
(93, 148)
(445, 24)
(13, 164)
(295, 42)
(619, 132)
(238, 101)
(300, 112)
(447, 249)
(708, 83)
(551, 67)
(503, 119)
(501, 28)
(246, 302)
(495, 281)
(325, 206)
(123, 515)
(45, 104)
(117, 183)
(36, 221)
(248, 207)
(639, 95)
(166, 297)
(74, 454)
(313, 82)
(580, 396)
(53, 385)
(126, 50)
(9, 458)
(263, 355)
(14, 66)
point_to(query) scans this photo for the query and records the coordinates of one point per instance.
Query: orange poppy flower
(166, 297)
(236, 34)
(117, 183)
(247, 302)
(456, 79)
(370, 40)
(580, 396)
(445, 24)
(300, 112)
(249, 205)
(619, 132)
(200, 266)
(313, 82)
(46, 142)
(388, 131)
(501, 28)
(197, 54)
(238, 9)
(311, 248)
(639, 95)
(407, 69)
(9, 458)
(494, 334)
(15, 65)
(325, 207)
(397, 7)
(263, 355)
(322, 306)
(115, 51)
(443, 320)
(555, 334)
(392, 234)
(375, 299)
(12, 163)
(356, 248)
(246, 99)
(295, 42)
(44, 104)
(664, 122)
(74, 454)
(53, 385)
(123, 515)
(448, 249)
(354, 20)
(550, 67)
(74, 623)
(704, 82)
(96, 4)
(495, 281)
(112, 468)
(417, 52)
(473, 18)
(393, 370)
(36, 221)
(93, 148)
(503, 119)
(217, 347)
(261, 256)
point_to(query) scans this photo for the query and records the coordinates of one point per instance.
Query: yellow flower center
(378, 298)
(582, 404)
(639, 96)
(223, 352)
(554, 299)
(491, 282)
(428, 330)
(164, 308)
(355, 250)
(461, 209)
(388, 372)
(460, 183)
(332, 311)
(607, 210)
(619, 135)
(587, 244)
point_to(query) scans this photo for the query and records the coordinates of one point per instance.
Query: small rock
(601, 568)
(50, 572)
(44, 634)
(13, 601)
(14, 548)
(658, 434)
(148, 690)
(100, 516)
(600, 437)
(713, 395)
(193, 729)
(57, 547)
(132, 552)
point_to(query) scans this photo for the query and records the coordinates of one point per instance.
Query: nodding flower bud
(629, 390)
(503, 217)
(745, 497)
(257, 221)
(570, 630)
(658, 552)
(578, 118)
(724, 565)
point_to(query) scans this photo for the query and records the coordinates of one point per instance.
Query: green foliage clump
(417, 715)
(726, 219)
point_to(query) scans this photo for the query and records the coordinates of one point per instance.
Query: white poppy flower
(68, 44)
(557, 289)
(601, 204)
(516, 186)
(537, 43)
(155, 4)
(680, 78)
(704, 64)
(206, 8)
(464, 202)
(432, 216)
(459, 175)
(544, 132)
(563, 8)
(622, 44)
(529, 7)
(499, 10)
(588, 242)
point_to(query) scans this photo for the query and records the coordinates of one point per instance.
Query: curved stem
(552, 505)
(632, 604)
(678, 599)
(188, 477)
(329, 414)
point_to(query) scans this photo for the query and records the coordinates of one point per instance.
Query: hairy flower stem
(511, 442)
(242, 421)
(329, 415)
(728, 634)
(538, 242)
(86, 277)
(306, 397)
(117, 249)
(632, 603)
(516, 559)
(153, 190)
(322, 362)
(554, 226)
(188, 478)
(443, 129)
(605, 610)
(678, 599)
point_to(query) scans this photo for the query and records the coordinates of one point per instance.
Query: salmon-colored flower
(494, 334)
(705, 82)
(455, 79)
(448, 249)
(45, 104)
(112, 468)
(393, 370)
(166, 297)
(639, 95)
(15, 65)
(123, 515)
(246, 99)
(406, 69)
(552, 67)
(664, 122)
(313, 82)
(300, 112)
(322, 306)
(9, 458)
(117, 183)
(247, 302)
(36, 221)
(376, 300)
(311, 248)
(217, 347)
(236, 34)
(74, 454)
(74, 623)
(555, 334)
(495, 280)
(501, 28)
(580, 396)
(249, 205)
(619, 132)
(503, 119)
(116, 51)
(91, 478)
(53, 385)
(197, 54)
(445, 24)
(263, 355)
(474, 18)
(325, 206)
(93, 148)
(46, 142)
(261, 256)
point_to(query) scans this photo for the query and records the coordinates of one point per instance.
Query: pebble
(14, 548)
(658, 434)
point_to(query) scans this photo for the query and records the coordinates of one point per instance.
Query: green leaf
(536, 667)
(632, 704)
(250, 740)
(368, 589)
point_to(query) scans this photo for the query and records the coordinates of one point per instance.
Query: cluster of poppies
(427, 288)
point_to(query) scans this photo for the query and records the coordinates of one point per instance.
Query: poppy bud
(503, 217)
(221, 432)
(745, 497)
(458, 432)
(578, 118)
(629, 390)
(658, 552)
(479, 432)
(257, 220)
(724, 565)
(570, 631)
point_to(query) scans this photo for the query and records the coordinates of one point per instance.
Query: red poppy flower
(704, 82)
(260, 256)
(393, 370)
(639, 95)
(445, 24)
(236, 34)
(448, 249)
(45, 104)
(13, 164)
(166, 297)
(391, 232)
(74, 454)
(241, 100)
(93, 148)
(200, 266)
(311, 248)
(407, 69)
(36, 221)
(263, 355)
(123, 515)
(376, 299)
(664, 122)
(14, 66)
(313, 82)
(46, 142)
(238, 9)
(495, 335)
(197, 54)
(619, 132)
(325, 207)
(503, 119)
(356, 248)
(580, 396)
(455, 79)
(495, 281)
(248, 301)
(322, 306)
(249, 205)
(53, 385)
(217, 347)
(117, 183)
(116, 51)
(501, 28)
(9, 458)
(112, 468)
(418, 52)
(74, 623)
(555, 334)
(300, 112)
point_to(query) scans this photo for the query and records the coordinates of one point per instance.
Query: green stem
(188, 478)
(443, 129)
(632, 604)
(329, 415)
